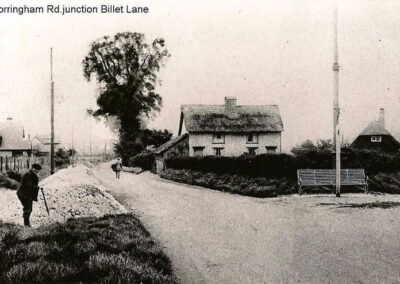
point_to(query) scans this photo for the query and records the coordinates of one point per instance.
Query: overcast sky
(262, 52)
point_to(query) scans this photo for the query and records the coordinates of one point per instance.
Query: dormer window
(252, 138)
(376, 138)
(218, 138)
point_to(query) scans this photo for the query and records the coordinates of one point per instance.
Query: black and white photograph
(199, 141)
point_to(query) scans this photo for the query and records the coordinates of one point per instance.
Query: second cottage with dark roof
(230, 129)
(376, 137)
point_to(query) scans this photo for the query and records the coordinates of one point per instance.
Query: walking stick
(45, 203)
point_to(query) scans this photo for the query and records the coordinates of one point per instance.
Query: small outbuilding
(178, 146)
(41, 145)
(376, 137)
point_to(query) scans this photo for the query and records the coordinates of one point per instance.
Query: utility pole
(51, 113)
(84, 149)
(105, 150)
(90, 147)
(336, 109)
(72, 147)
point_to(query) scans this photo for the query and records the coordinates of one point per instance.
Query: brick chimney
(382, 117)
(230, 104)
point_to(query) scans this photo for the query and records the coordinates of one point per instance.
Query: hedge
(236, 184)
(284, 165)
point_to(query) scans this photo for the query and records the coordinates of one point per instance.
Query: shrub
(6, 182)
(385, 182)
(145, 160)
(61, 158)
(14, 175)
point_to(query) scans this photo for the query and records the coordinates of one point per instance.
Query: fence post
(6, 163)
(27, 163)
(1, 164)
(14, 164)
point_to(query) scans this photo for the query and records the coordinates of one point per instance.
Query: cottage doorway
(159, 166)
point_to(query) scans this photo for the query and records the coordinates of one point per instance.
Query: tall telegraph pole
(72, 147)
(336, 109)
(90, 147)
(51, 113)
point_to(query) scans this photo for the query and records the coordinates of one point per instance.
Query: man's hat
(36, 167)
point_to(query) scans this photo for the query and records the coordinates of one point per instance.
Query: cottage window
(252, 150)
(271, 149)
(218, 138)
(252, 138)
(198, 151)
(218, 152)
(376, 138)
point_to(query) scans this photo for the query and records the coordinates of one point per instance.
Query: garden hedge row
(284, 165)
(237, 184)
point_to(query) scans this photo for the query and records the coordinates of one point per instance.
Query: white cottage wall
(235, 144)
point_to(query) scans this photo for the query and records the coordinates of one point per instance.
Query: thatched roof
(171, 143)
(11, 137)
(375, 128)
(217, 118)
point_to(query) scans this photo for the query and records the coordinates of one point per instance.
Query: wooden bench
(327, 177)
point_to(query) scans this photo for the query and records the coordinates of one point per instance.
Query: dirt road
(214, 237)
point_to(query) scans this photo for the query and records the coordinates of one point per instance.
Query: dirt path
(213, 237)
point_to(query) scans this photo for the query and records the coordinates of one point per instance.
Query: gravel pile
(70, 193)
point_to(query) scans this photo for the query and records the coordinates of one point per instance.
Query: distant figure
(117, 167)
(28, 190)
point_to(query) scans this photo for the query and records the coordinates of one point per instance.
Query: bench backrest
(328, 176)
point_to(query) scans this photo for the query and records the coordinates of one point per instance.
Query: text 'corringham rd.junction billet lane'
(79, 9)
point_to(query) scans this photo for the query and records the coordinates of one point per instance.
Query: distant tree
(324, 145)
(61, 157)
(321, 145)
(155, 137)
(306, 146)
(71, 152)
(126, 69)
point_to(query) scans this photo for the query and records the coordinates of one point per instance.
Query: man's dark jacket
(29, 186)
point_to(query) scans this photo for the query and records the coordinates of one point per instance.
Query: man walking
(118, 168)
(28, 190)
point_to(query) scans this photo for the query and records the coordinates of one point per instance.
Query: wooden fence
(20, 164)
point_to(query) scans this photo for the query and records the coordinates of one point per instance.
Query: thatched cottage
(376, 137)
(230, 129)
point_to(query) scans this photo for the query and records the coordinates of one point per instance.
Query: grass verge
(110, 249)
